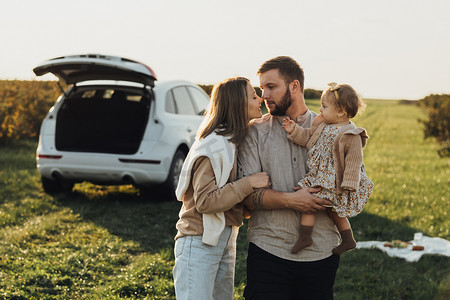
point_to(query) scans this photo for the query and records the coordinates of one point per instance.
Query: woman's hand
(247, 213)
(259, 180)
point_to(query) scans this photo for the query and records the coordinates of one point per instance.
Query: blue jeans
(204, 272)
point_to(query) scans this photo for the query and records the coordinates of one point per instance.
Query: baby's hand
(347, 189)
(288, 125)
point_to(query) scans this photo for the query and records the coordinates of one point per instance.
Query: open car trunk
(102, 119)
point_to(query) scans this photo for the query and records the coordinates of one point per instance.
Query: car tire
(174, 174)
(55, 186)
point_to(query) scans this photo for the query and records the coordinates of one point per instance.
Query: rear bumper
(105, 170)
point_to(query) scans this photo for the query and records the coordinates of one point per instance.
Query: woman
(205, 245)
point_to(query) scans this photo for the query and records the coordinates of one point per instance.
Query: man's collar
(300, 119)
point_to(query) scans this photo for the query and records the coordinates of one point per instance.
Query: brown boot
(305, 239)
(348, 242)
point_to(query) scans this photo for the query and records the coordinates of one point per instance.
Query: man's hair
(289, 69)
(228, 111)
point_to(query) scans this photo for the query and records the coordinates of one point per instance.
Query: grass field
(110, 243)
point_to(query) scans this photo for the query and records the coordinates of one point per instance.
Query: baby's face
(330, 112)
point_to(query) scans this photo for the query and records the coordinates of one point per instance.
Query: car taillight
(50, 156)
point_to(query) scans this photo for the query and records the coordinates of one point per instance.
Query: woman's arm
(208, 197)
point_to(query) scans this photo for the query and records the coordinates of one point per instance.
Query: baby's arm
(353, 156)
(288, 125)
(296, 133)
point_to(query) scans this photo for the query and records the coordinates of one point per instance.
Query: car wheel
(54, 186)
(174, 173)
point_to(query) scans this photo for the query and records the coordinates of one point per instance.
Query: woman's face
(253, 102)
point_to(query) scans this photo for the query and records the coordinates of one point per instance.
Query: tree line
(308, 93)
(437, 125)
(24, 104)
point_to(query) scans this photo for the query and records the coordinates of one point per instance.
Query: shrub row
(23, 106)
(437, 125)
(308, 93)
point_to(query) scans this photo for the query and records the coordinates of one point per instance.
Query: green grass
(111, 243)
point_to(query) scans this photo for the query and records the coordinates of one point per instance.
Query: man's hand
(302, 200)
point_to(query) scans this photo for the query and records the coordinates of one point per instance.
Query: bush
(23, 106)
(437, 108)
(309, 93)
(312, 94)
(207, 88)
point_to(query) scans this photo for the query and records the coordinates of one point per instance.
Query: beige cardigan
(203, 196)
(347, 150)
(221, 153)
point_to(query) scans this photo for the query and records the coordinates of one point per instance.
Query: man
(272, 271)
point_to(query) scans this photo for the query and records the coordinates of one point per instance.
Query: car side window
(170, 103)
(200, 100)
(183, 104)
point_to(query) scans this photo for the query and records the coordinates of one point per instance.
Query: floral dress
(323, 174)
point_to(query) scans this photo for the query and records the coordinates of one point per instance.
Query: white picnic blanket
(431, 246)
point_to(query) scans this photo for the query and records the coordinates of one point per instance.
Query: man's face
(275, 92)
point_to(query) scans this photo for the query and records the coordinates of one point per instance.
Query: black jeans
(271, 277)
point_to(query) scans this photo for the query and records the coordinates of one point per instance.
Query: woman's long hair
(228, 111)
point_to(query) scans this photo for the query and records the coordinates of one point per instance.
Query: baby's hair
(348, 100)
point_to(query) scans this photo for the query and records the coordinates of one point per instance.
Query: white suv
(116, 124)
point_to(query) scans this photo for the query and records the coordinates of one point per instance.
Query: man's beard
(282, 107)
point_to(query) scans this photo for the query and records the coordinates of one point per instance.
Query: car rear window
(108, 94)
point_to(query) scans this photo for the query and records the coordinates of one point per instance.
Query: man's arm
(301, 200)
(249, 163)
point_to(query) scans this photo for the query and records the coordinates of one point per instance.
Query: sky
(385, 49)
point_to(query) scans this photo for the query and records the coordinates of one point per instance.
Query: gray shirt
(267, 149)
